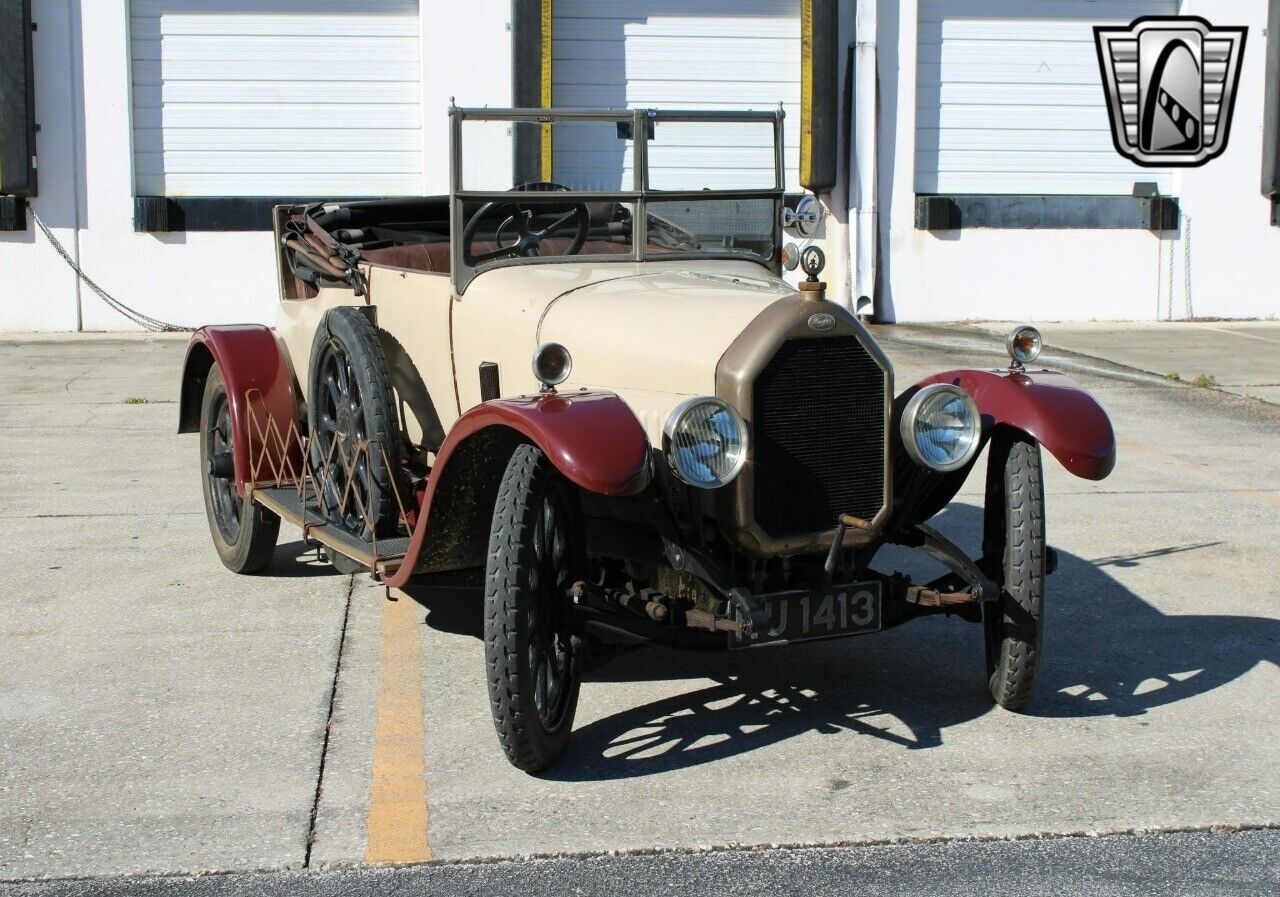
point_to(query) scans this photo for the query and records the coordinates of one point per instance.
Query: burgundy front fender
(592, 438)
(252, 365)
(1048, 406)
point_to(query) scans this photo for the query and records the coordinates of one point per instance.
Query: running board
(382, 556)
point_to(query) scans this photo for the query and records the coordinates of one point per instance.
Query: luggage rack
(283, 480)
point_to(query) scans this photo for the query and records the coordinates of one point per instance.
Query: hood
(658, 332)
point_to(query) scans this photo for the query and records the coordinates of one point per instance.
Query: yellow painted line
(396, 825)
(1269, 497)
(1264, 339)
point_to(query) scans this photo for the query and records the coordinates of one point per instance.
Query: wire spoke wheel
(534, 658)
(355, 437)
(550, 644)
(341, 436)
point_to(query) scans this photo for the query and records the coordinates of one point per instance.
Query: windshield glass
(534, 186)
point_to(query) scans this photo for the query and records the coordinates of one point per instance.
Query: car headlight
(941, 427)
(552, 365)
(1023, 344)
(706, 442)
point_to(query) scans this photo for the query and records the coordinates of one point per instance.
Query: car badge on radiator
(822, 321)
(1170, 85)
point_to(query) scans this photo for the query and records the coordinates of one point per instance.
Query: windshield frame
(641, 120)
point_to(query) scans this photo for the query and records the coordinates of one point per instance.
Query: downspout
(864, 126)
(79, 159)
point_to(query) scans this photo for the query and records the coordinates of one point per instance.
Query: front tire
(533, 661)
(244, 532)
(1014, 549)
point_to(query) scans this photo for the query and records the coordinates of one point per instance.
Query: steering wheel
(520, 219)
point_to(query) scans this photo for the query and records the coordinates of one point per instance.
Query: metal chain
(142, 320)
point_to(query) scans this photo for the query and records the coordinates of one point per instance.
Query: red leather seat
(434, 258)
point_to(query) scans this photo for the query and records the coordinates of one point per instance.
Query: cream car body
(678, 318)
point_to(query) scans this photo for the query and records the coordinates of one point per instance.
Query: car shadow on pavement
(297, 560)
(1108, 652)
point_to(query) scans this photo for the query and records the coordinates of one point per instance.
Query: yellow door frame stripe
(546, 93)
(806, 89)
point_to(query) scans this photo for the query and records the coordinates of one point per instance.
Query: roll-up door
(678, 54)
(276, 97)
(1009, 98)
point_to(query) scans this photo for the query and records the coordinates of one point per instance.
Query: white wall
(86, 196)
(1235, 254)
(85, 140)
(1080, 274)
(183, 278)
(37, 289)
(466, 54)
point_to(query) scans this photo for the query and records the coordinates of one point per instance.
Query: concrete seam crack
(328, 726)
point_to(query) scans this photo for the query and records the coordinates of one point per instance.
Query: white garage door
(276, 98)
(1010, 99)
(678, 54)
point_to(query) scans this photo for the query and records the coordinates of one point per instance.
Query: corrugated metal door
(282, 98)
(1009, 98)
(677, 54)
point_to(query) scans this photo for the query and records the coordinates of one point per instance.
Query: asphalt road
(160, 715)
(1188, 864)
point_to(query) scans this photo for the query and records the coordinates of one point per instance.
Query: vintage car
(602, 393)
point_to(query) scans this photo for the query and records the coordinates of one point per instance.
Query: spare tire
(351, 406)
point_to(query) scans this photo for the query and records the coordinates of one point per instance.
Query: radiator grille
(819, 427)
(490, 385)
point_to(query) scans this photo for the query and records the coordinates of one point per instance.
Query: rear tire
(1014, 545)
(244, 532)
(533, 661)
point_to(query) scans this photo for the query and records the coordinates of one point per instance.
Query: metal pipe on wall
(863, 131)
(1271, 107)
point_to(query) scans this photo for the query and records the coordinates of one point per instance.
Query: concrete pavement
(154, 713)
(159, 714)
(1241, 357)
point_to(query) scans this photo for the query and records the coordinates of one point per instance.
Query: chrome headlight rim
(1018, 356)
(543, 352)
(907, 426)
(669, 430)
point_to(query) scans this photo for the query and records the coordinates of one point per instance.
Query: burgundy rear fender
(1047, 406)
(592, 438)
(259, 382)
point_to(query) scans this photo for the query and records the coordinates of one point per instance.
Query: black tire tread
(520, 732)
(1012, 681)
(360, 339)
(259, 528)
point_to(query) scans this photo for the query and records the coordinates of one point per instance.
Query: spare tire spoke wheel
(355, 435)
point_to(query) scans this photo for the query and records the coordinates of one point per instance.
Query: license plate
(826, 613)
